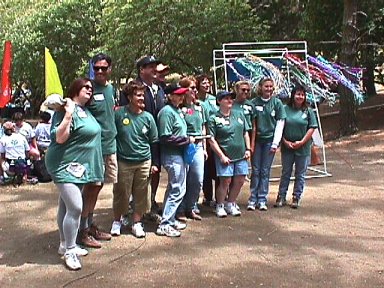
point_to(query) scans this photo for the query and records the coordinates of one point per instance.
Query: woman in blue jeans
(266, 136)
(296, 148)
(194, 117)
(173, 139)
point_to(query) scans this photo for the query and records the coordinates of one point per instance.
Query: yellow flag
(52, 80)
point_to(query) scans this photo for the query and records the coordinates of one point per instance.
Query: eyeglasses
(88, 87)
(193, 87)
(245, 90)
(102, 68)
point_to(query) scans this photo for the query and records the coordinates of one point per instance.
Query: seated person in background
(42, 131)
(27, 131)
(13, 148)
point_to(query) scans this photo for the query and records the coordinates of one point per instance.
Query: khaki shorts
(133, 180)
(110, 164)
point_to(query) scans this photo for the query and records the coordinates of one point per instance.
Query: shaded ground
(334, 240)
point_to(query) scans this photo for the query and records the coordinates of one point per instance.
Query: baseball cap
(146, 60)
(175, 89)
(221, 94)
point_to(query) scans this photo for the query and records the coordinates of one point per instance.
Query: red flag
(6, 88)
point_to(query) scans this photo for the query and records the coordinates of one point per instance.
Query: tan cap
(161, 67)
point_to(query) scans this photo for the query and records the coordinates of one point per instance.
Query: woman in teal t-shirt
(74, 158)
(269, 117)
(297, 138)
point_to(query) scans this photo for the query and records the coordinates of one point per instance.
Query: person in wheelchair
(14, 151)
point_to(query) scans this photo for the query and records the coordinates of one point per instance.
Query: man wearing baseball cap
(154, 100)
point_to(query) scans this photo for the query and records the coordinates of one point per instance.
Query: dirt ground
(334, 240)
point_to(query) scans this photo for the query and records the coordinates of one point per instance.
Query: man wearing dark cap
(154, 100)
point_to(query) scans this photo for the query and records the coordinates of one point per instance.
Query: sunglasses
(102, 68)
(245, 90)
(88, 87)
(192, 87)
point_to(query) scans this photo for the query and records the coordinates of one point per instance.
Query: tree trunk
(348, 119)
(368, 55)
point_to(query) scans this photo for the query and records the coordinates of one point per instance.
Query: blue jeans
(195, 176)
(262, 160)
(177, 171)
(288, 158)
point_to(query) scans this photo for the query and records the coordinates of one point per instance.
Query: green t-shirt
(266, 114)
(228, 132)
(171, 122)
(135, 134)
(83, 147)
(296, 126)
(247, 109)
(195, 118)
(101, 108)
(209, 105)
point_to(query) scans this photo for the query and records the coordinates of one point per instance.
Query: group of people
(195, 136)
(21, 144)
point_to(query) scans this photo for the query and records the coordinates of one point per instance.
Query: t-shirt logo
(14, 142)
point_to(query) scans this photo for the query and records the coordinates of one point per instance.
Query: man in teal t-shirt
(101, 107)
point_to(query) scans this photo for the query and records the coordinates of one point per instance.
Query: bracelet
(248, 149)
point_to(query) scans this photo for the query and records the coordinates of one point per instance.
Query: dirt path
(334, 240)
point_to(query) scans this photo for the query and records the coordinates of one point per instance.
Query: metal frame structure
(268, 50)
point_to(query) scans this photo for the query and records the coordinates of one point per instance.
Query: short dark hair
(101, 56)
(200, 78)
(295, 89)
(76, 86)
(130, 88)
(18, 116)
(45, 116)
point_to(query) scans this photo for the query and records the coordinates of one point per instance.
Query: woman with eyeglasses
(296, 148)
(231, 144)
(73, 159)
(194, 117)
(266, 137)
(242, 102)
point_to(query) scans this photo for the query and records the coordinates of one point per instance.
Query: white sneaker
(167, 230)
(220, 211)
(263, 206)
(138, 230)
(78, 250)
(179, 225)
(251, 206)
(72, 260)
(232, 209)
(116, 228)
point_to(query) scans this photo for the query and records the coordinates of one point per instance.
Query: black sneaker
(280, 202)
(295, 203)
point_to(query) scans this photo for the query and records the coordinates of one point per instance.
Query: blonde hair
(239, 83)
(261, 82)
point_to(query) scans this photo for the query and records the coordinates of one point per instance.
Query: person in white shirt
(13, 147)
(43, 131)
(27, 131)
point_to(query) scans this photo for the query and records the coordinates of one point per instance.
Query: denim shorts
(232, 169)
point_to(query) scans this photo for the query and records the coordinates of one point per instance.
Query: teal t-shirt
(266, 114)
(228, 132)
(171, 122)
(79, 159)
(247, 109)
(135, 134)
(209, 105)
(296, 126)
(101, 107)
(195, 119)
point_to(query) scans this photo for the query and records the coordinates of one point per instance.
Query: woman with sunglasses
(231, 144)
(194, 117)
(73, 159)
(296, 148)
(242, 102)
(266, 137)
